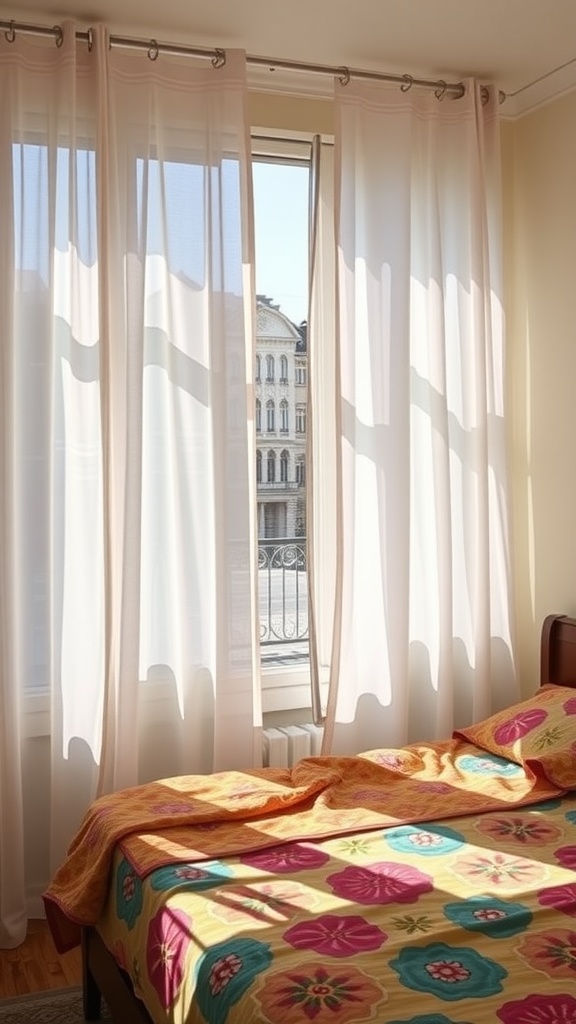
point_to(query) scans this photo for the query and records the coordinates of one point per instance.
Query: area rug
(58, 1006)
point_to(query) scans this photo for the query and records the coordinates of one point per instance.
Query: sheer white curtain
(422, 638)
(128, 631)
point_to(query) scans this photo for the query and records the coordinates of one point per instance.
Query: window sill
(282, 690)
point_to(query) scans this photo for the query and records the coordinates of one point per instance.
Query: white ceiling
(509, 42)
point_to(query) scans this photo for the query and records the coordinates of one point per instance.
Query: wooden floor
(35, 965)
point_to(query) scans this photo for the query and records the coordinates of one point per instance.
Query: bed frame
(101, 976)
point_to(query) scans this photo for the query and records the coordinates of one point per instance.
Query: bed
(430, 885)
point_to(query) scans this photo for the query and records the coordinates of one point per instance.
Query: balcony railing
(283, 588)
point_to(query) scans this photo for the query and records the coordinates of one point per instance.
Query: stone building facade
(280, 395)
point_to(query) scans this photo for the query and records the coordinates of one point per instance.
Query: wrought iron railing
(283, 584)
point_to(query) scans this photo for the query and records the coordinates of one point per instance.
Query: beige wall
(539, 160)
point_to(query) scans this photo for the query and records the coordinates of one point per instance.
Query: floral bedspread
(196, 818)
(468, 919)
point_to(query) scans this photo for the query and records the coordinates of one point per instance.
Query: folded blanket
(192, 818)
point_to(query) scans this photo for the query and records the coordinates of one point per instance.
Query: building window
(270, 416)
(300, 373)
(284, 462)
(300, 419)
(283, 370)
(258, 415)
(258, 368)
(271, 467)
(284, 416)
(300, 471)
(258, 466)
(270, 369)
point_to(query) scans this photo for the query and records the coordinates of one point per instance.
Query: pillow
(539, 733)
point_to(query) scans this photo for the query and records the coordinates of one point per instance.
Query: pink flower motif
(386, 882)
(520, 725)
(367, 796)
(168, 940)
(566, 856)
(553, 952)
(222, 971)
(489, 914)
(263, 903)
(175, 807)
(331, 935)
(189, 873)
(536, 1009)
(526, 831)
(128, 885)
(498, 869)
(450, 971)
(561, 897)
(311, 993)
(290, 857)
(569, 706)
(393, 761)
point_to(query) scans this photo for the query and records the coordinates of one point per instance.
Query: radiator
(286, 744)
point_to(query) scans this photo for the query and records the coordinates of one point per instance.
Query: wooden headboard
(558, 651)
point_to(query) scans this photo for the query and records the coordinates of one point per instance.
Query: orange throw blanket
(192, 818)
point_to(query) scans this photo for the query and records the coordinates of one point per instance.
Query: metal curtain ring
(344, 76)
(441, 91)
(10, 35)
(59, 35)
(219, 58)
(407, 83)
(153, 50)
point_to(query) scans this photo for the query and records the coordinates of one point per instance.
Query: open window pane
(281, 203)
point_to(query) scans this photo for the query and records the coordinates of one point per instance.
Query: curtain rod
(218, 58)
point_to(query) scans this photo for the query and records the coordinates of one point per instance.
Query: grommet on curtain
(407, 83)
(219, 58)
(10, 35)
(484, 95)
(344, 76)
(153, 50)
(58, 35)
(441, 92)
(90, 39)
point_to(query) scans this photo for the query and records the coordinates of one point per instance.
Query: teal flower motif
(487, 764)
(128, 894)
(427, 840)
(225, 972)
(546, 805)
(195, 877)
(449, 972)
(497, 918)
(427, 1018)
(570, 816)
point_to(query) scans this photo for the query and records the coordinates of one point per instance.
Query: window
(300, 419)
(258, 368)
(300, 373)
(258, 415)
(258, 466)
(281, 173)
(300, 471)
